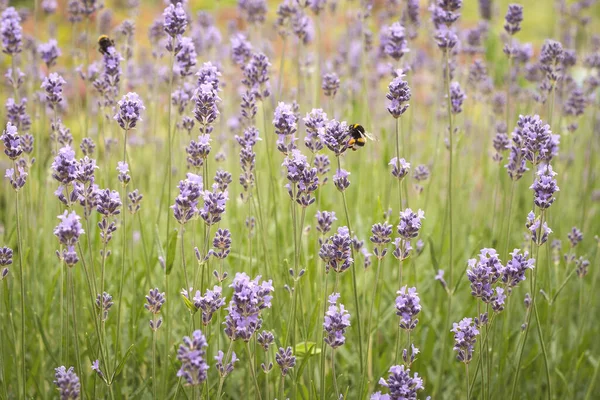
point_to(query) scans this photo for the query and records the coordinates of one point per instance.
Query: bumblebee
(104, 43)
(358, 136)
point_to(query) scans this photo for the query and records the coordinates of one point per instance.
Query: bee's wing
(369, 136)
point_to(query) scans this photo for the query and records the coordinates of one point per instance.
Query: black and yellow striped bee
(104, 43)
(358, 136)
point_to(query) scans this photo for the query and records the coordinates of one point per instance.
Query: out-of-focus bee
(358, 136)
(104, 43)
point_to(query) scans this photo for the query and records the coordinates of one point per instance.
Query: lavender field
(300, 199)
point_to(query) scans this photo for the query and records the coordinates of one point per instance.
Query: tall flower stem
(71, 286)
(335, 385)
(22, 284)
(398, 133)
(250, 358)
(154, 358)
(534, 295)
(369, 319)
(510, 207)
(169, 178)
(354, 286)
(468, 387)
(451, 150)
(222, 378)
(323, 340)
(123, 255)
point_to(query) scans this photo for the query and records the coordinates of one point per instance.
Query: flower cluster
(336, 251)
(206, 110)
(544, 187)
(285, 359)
(11, 31)
(191, 354)
(330, 83)
(154, 302)
(247, 160)
(465, 336)
(49, 52)
(400, 168)
(186, 203)
(337, 320)
(286, 125)
(400, 384)
(407, 307)
(303, 180)
(398, 96)
(249, 298)
(67, 383)
(381, 236)
(314, 122)
(483, 273)
(198, 151)
(335, 136)
(210, 303)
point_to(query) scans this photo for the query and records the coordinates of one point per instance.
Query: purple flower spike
(410, 223)
(285, 359)
(457, 97)
(400, 384)
(12, 141)
(399, 168)
(398, 96)
(324, 221)
(336, 136)
(514, 271)
(155, 301)
(330, 84)
(175, 20)
(210, 303)
(67, 383)
(544, 187)
(336, 251)
(337, 320)
(53, 85)
(381, 236)
(191, 354)
(249, 298)
(69, 229)
(11, 31)
(49, 52)
(225, 369)
(513, 18)
(129, 110)
(340, 179)
(395, 41)
(483, 273)
(407, 307)
(186, 203)
(6, 256)
(465, 336)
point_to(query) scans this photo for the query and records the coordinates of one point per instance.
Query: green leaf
(188, 303)
(121, 364)
(171, 249)
(304, 348)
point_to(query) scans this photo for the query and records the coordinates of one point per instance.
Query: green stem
(253, 372)
(71, 286)
(451, 151)
(369, 319)
(354, 286)
(22, 284)
(335, 385)
(547, 369)
(123, 256)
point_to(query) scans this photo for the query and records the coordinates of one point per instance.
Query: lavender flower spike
(400, 384)
(129, 110)
(337, 320)
(407, 307)
(191, 354)
(67, 383)
(465, 336)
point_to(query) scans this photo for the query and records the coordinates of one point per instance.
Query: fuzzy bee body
(104, 43)
(358, 136)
